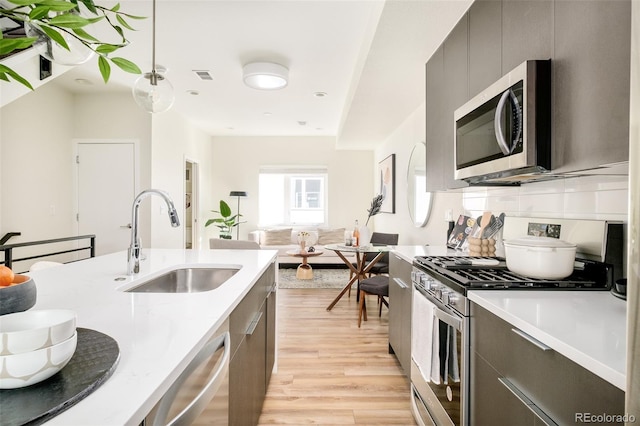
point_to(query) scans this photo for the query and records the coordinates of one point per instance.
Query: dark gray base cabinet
(513, 381)
(252, 328)
(400, 288)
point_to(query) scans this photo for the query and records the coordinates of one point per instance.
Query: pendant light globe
(77, 54)
(153, 92)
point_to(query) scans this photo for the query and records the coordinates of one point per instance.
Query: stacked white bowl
(35, 345)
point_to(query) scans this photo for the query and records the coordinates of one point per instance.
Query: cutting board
(92, 364)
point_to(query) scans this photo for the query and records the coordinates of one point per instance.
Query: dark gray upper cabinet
(436, 117)
(527, 32)
(456, 72)
(591, 83)
(589, 43)
(485, 45)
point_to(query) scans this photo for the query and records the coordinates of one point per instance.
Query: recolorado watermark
(604, 418)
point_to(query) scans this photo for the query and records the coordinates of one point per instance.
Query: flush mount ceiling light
(265, 75)
(152, 91)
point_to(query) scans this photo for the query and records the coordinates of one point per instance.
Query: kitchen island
(158, 333)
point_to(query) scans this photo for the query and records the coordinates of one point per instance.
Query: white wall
(237, 160)
(174, 140)
(401, 143)
(36, 159)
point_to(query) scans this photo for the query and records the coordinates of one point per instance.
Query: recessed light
(320, 94)
(302, 123)
(267, 114)
(193, 92)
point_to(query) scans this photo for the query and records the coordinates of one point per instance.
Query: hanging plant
(64, 25)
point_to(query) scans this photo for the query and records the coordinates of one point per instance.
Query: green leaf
(90, 5)
(8, 45)
(105, 49)
(124, 23)
(11, 73)
(225, 210)
(105, 68)
(69, 20)
(59, 5)
(133, 16)
(126, 65)
(85, 35)
(25, 2)
(115, 8)
(55, 36)
(39, 12)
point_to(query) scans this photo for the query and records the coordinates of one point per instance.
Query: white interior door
(106, 189)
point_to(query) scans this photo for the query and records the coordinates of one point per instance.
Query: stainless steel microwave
(503, 135)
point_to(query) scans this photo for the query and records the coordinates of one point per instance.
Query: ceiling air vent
(203, 74)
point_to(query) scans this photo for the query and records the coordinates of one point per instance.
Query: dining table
(366, 258)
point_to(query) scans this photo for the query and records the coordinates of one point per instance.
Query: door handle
(400, 283)
(128, 225)
(526, 401)
(197, 404)
(537, 343)
(507, 96)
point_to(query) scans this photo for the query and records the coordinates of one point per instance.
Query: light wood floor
(329, 371)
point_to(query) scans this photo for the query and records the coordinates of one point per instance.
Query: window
(292, 196)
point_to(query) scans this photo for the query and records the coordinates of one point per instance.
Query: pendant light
(152, 91)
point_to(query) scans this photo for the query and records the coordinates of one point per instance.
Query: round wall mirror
(418, 199)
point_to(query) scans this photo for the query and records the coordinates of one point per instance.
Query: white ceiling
(368, 56)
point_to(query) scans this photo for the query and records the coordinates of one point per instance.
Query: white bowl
(32, 330)
(28, 368)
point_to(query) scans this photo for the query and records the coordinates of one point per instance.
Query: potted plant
(226, 222)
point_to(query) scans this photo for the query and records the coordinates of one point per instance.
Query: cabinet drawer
(558, 386)
(246, 312)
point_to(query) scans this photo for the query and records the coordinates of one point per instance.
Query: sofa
(286, 239)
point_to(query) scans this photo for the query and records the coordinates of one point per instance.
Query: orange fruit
(6, 276)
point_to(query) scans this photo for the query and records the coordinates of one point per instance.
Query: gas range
(491, 273)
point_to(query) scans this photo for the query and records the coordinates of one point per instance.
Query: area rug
(322, 278)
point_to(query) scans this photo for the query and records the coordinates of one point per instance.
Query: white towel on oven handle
(422, 324)
(435, 350)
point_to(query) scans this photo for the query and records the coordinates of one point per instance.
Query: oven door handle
(448, 319)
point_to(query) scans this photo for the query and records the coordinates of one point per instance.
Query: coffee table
(304, 271)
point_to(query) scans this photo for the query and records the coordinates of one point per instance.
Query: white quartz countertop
(158, 334)
(588, 327)
(409, 252)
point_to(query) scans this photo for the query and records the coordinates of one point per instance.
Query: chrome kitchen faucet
(133, 255)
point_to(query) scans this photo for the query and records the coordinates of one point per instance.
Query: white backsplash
(590, 197)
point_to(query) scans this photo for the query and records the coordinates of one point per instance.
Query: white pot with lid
(540, 257)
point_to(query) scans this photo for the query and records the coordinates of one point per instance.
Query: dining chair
(377, 285)
(221, 243)
(382, 265)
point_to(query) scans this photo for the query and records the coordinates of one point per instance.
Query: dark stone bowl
(19, 297)
(621, 286)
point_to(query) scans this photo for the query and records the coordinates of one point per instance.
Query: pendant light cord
(154, 74)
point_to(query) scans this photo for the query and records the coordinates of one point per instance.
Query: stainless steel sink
(186, 280)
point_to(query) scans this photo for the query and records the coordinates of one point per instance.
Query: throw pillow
(277, 237)
(331, 236)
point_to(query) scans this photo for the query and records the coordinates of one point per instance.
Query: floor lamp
(238, 194)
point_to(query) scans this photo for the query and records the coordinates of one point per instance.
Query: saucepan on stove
(540, 257)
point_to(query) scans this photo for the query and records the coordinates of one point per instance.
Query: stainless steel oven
(440, 352)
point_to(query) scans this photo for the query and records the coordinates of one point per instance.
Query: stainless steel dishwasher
(200, 395)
